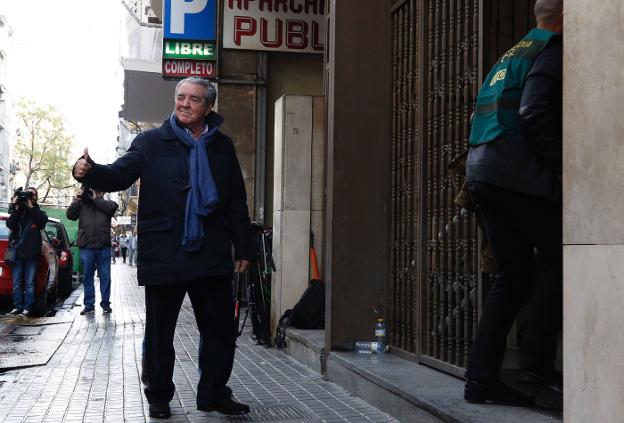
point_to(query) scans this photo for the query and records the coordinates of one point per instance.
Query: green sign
(179, 49)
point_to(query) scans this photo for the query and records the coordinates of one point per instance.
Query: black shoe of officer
(159, 410)
(495, 392)
(550, 381)
(225, 405)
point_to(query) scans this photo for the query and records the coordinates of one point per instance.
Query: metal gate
(436, 58)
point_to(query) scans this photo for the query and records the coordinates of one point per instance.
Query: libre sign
(177, 49)
(277, 25)
(190, 19)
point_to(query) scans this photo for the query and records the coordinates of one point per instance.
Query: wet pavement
(93, 374)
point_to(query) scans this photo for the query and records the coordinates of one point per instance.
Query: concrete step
(307, 347)
(412, 392)
(406, 390)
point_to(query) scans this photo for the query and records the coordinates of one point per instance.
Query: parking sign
(190, 19)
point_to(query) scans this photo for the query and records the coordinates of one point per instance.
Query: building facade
(7, 129)
(408, 246)
(248, 84)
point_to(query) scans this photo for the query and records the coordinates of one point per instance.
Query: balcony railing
(143, 12)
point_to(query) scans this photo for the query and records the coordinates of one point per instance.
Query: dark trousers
(516, 225)
(213, 306)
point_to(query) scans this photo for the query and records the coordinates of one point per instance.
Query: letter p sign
(190, 19)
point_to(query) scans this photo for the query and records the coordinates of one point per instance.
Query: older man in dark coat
(192, 210)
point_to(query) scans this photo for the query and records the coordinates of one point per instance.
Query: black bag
(10, 255)
(309, 312)
(280, 333)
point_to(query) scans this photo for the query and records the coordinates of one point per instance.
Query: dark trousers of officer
(515, 225)
(213, 306)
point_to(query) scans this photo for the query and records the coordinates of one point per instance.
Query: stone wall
(593, 209)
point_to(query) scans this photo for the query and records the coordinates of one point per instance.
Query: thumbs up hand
(82, 166)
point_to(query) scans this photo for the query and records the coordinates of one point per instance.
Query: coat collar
(213, 120)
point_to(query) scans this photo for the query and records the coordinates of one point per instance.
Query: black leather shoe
(225, 406)
(160, 410)
(552, 382)
(495, 392)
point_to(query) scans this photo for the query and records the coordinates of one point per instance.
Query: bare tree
(43, 148)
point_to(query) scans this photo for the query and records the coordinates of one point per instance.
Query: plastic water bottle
(366, 347)
(380, 335)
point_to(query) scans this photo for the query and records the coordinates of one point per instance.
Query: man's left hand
(240, 266)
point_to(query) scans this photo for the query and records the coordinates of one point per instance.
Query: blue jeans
(93, 258)
(24, 272)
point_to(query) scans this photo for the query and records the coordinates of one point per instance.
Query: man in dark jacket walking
(514, 174)
(192, 210)
(94, 214)
(25, 222)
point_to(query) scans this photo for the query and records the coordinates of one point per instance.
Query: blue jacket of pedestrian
(162, 162)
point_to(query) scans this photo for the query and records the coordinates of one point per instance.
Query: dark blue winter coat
(26, 224)
(161, 161)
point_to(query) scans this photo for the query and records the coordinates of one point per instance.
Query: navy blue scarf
(202, 197)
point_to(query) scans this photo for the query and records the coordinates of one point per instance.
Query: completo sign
(190, 19)
(276, 25)
(198, 50)
(173, 68)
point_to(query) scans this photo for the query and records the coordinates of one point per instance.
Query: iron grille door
(450, 290)
(436, 56)
(406, 176)
(434, 262)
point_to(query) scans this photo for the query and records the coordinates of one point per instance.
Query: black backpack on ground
(308, 313)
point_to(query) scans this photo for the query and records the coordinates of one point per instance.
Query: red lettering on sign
(316, 35)
(284, 3)
(183, 68)
(295, 7)
(296, 34)
(240, 4)
(267, 3)
(264, 33)
(315, 6)
(244, 26)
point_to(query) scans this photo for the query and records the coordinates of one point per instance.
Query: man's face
(190, 107)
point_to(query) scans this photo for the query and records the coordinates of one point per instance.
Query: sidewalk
(94, 375)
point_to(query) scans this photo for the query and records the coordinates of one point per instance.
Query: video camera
(22, 196)
(86, 194)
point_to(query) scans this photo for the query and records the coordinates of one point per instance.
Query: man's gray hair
(548, 10)
(210, 92)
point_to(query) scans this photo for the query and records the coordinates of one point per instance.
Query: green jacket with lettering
(496, 108)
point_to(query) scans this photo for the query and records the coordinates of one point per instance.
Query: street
(92, 372)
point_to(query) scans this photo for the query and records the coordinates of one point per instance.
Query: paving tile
(95, 374)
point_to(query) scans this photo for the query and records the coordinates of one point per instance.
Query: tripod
(257, 282)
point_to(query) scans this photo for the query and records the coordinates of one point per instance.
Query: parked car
(62, 247)
(46, 281)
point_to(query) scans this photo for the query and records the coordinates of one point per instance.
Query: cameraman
(25, 222)
(94, 215)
